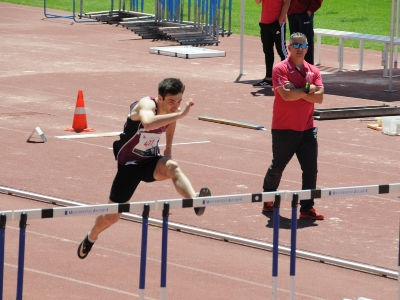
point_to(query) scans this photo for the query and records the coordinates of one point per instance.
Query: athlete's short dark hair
(171, 86)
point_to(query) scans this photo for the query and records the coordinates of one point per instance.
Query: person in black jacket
(301, 19)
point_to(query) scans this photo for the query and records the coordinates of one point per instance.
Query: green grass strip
(366, 16)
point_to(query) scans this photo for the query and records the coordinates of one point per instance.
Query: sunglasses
(298, 45)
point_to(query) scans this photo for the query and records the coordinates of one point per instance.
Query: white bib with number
(148, 144)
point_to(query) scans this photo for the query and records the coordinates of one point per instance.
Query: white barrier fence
(157, 205)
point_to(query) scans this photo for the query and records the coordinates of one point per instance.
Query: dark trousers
(273, 34)
(304, 24)
(286, 143)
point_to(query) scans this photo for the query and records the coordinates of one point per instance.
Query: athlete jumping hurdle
(138, 155)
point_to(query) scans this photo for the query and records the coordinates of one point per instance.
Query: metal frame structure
(73, 16)
(379, 271)
(356, 112)
(168, 22)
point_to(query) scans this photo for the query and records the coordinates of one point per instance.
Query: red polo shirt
(295, 115)
(300, 6)
(271, 10)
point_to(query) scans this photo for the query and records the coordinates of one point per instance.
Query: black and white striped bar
(344, 191)
(137, 207)
(217, 200)
(43, 213)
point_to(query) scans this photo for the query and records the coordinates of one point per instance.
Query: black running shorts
(128, 178)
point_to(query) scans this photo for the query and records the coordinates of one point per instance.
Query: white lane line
(87, 135)
(77, 281)
(188, 143)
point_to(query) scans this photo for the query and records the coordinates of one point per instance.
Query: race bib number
(148, 144)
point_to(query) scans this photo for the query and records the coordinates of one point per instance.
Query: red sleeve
(318, 79)
(279, 76)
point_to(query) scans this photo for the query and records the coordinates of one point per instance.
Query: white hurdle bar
(137, 207)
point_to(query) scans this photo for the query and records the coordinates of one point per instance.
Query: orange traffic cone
(80, 124)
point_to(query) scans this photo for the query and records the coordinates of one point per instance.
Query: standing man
(272, 31)
(301, 19)
(139, 157)
(297, 86)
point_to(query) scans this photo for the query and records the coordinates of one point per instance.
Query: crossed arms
(290, 93)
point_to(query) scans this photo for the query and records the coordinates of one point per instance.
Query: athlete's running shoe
(204, 192)
(84, 247)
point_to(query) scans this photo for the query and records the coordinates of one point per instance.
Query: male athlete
(139, 157)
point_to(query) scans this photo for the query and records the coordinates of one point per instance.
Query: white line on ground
(188, 143)
(88, 135)
(77, 281)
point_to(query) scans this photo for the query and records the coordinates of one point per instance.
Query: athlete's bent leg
(102, 222)
(168, 168)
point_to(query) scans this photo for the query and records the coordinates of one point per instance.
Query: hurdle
(21, 255)
(277, 205)
(3, 219)
(143, 253)
(47, 15)
(24, 215)
(73, 16)
(168, 22)
(293, 232)
(163, 283)
(211, 201)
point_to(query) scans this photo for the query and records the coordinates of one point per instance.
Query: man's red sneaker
(268, 206)
(311, 214)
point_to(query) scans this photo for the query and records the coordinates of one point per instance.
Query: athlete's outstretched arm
(146, 112)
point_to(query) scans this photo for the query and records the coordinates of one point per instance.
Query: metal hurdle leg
(73, 16)
(230, 17)
(318, 50)
(223, 17)
(361, 56)
(189, 8)
(145, 223)
(217, 20)
(53, 15)
(80, 12)
(340, 54)
(385, 60)
(163, 285)
(21, 255)
(111, 9)
(277, 204)
(295, 203)
(3, 219)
